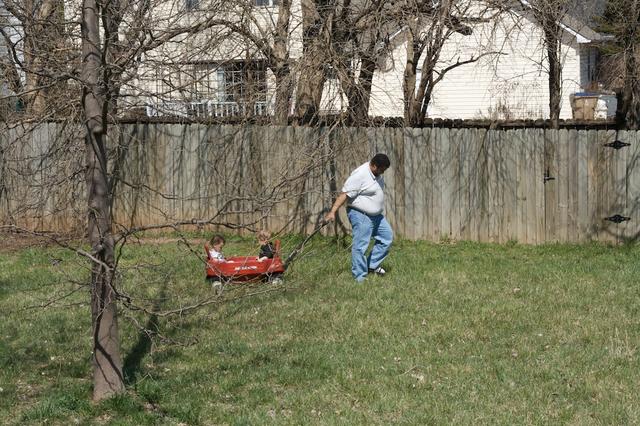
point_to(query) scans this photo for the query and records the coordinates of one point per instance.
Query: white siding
(513, 84)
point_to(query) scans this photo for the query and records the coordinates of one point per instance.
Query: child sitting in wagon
(267, 250)
(215, 247)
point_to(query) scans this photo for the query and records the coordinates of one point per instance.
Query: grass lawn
(455, 334)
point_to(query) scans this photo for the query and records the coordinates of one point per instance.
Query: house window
(205, 83)
(169, 83)
(191, 4)
(242, 82)
(265, 2)
(226, 89)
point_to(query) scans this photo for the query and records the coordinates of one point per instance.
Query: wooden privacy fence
(528, 185)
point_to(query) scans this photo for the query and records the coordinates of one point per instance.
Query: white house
(217, 73)
(510, 84)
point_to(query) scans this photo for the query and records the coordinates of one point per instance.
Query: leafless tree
(552, 17)
(360, 38)
(42, 61)
(265, 33)
(430, 28)
(316, 27)
(549, 14)
(113, 45)
(621, 19)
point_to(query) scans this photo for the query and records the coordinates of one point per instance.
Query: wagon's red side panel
(243, 268)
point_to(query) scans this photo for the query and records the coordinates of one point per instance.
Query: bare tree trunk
(359, 95)
(312, 64)
(409, 84)
(309, 88)
(283, 95)
(552, 42)
(412, 115)
(107, 363)
(630, 108)
(284, 85)
(416, 98)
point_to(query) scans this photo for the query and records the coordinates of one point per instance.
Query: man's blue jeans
(363, 228)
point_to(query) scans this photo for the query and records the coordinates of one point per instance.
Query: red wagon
(244, 269)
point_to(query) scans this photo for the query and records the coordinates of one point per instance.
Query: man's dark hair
(381, 160)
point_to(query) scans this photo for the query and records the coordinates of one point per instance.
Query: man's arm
(331, 216)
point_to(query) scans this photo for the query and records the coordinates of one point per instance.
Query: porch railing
(204, 109)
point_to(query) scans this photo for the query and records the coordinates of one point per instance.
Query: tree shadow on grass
(133, 360)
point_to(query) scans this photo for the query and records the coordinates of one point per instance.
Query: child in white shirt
(215, 247)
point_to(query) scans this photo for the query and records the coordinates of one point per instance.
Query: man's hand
(331, 216)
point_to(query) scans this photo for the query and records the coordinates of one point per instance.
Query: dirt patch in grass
(16, 241)
(166, 240)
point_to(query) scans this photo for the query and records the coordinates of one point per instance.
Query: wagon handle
(296, 251)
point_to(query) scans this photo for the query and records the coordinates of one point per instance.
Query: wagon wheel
(276, 279)
(217, 287)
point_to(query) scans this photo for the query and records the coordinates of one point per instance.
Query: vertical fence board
(482, 186)
(632, 177)
(550, 186)
(476, 199)
(445, 164)
(388, 146)
(414, 171)
(147, 150)
(530, 186)
(573, 160)
(618, 196)
(608, 193)
(509, 186)
(562, 183)
(584, 220)
(208, 191)
(492, 184)
(434, 173)
(452, 182)
(538, 180)
(280, 139)
(503, 210)
(519, 146)
(464, 185)
(594, 162)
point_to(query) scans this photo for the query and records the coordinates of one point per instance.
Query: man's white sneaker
(378, 271)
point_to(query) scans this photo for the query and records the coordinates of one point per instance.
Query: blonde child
(267, 250)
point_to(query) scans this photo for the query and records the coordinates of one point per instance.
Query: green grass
(456, 334)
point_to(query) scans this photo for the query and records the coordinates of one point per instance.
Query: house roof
(579, 21)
